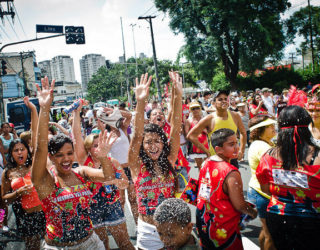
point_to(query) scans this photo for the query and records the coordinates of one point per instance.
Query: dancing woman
(64, 193)
(152, 161)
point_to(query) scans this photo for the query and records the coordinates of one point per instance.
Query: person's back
(290, 174)
(295, 192)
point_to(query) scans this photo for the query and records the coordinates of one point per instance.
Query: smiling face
(157, 117)
(173, 235)
(153, 145)
(63, 159)
(221, 102)
(20, 154)
(229, 150)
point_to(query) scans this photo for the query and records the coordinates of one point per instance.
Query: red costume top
(217, 220)
(27, 200)
(67, 211)
(261, 111)
(294, 192)
(202, 138)
(152, 191)
(102, 193)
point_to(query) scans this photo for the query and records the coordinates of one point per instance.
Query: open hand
(176, 82)
(142, 88)
(45, 95)
(105, 143)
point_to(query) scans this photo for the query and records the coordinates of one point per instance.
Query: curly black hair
(163, 161)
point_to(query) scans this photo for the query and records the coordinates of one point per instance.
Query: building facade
(62, 69)
(45, 67)
(89, 65)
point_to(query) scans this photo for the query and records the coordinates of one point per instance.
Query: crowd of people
(67, 178)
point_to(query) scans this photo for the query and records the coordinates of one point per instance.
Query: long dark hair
(291, 119)
(165, 165)
(256, 103)
(11, 163)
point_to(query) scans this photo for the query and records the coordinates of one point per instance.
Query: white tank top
(120, 148)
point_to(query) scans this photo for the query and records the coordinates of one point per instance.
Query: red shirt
(261, 111)
(67, 212)
(152, 191)
(27, 200)
(100, 192)
(294, 192)
(217, 219)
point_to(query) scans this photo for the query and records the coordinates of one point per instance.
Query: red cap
(11, 125)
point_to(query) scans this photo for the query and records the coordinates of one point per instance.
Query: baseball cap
(265, 90)
(219, 92)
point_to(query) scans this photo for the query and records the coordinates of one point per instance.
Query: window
(16, 115)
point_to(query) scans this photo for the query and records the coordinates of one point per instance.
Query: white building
(62, 69)
(45, 67)
(89, 65)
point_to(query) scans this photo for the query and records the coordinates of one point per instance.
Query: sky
(101, 21)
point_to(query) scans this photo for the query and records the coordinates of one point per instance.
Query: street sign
(49, 28)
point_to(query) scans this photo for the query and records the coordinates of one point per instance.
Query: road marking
(248, 244)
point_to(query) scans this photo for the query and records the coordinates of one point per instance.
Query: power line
(4, 32)
(147, 10)
(19, 20)
(13, 28)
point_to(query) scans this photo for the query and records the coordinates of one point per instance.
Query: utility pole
(134, 46)
(125, 62)
(292, 59)
(25, 87)
(149, 19)
(311, 40)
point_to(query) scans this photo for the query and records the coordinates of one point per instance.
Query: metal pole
(134, 46)
(25, 87)
(126, 66)
(149, 19)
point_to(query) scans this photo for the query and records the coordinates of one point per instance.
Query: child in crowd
(220, 200)
(173, 222)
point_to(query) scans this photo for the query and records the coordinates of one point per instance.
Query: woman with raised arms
(64, 192)
(152, 161)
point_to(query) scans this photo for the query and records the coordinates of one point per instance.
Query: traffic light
(3, 67)
(74, 35)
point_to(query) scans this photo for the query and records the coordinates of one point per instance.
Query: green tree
(299, 24)
(240, 33)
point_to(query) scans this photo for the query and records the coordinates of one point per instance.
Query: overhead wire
(3, 30)
(13, 28)
(19, 19)
(148, 10)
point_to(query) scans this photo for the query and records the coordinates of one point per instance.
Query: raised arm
(78, 142)
(40, 176)
(107, 172)
(176, 117)
(34, 120)
(142, 93)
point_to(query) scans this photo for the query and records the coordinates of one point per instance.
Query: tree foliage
(299, 24)
(111, 83)
(240, 33)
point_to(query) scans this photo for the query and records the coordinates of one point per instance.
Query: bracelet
(17, 193)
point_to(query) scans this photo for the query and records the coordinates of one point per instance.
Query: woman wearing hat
(262, 130)
(197, 154)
